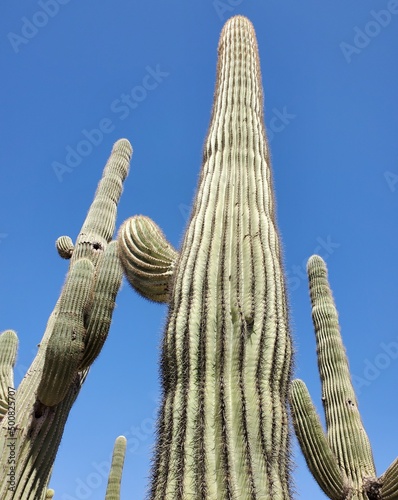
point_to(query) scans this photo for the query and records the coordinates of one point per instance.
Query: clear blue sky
(329, 69)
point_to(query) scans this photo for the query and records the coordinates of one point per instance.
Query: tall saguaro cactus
(226, 354)
(75, 333)
(341, 461)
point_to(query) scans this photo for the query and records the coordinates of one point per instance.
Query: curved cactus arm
(8, 354)
(147, 258)
(313, 442)
(389, 481)
(108, 279)
(49, 494)
(115, 474)
(64, 246)
(345, 430)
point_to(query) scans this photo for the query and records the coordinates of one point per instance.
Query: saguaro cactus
(226, 354)
(75, 333)
(341, 461)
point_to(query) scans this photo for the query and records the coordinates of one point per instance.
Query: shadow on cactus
(75, 334)
(341, 461)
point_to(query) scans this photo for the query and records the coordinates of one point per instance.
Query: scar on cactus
(341, 460)
(223, 427)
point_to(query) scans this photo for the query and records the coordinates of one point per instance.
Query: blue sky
(329, 74)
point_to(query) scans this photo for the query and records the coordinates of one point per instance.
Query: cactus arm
(313, 442)
(66, 344)
(39, 426)
(49, 494)
(64, 246)
(345, 429)
(226, 354)
(98, 321)
(101, 218)
(147, 258)
(115, 474)
(389, 481)
(8, 354)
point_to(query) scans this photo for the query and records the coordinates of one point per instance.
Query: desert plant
(34, 415)
(226, 356)
(341, 461)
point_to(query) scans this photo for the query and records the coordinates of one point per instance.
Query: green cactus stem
(147, 258)
(75, 333)
(115, 474)
(8, 354)
(223, 428)
(341, 461)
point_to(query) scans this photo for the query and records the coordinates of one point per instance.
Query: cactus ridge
(147, 258)
(341, 461)
(226, 354)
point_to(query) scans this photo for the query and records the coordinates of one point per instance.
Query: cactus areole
(226, 354)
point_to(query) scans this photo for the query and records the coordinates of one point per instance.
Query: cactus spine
(341, 462)
(75, 333)
(226, 354)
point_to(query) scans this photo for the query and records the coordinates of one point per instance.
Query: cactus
(226, 356)
(115, 474)
(75, 334)
(341, 461)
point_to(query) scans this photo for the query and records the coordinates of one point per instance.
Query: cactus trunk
(223, 428)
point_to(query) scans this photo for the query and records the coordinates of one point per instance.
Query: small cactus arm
(147, 258)
(115, 474)
(74, 336)
(226, 356)
(8, 354)
(341, 461)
